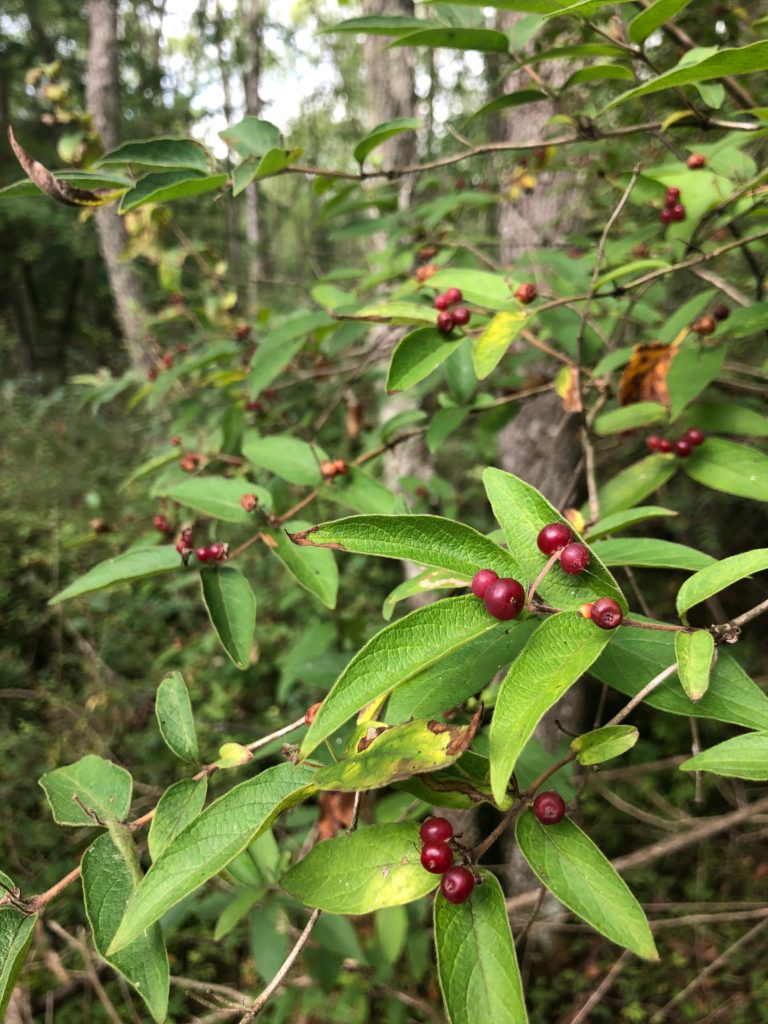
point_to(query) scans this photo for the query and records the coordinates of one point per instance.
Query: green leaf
(442, 424)
(694, 653)
(489, 348)
(730, 467)
(208, 844)
(512, 99)
(417, 355)
(629, 417)
(598, 73)
(178, 806)
(163, 187)
(251, 136)
(77, 179)
(100, 786)
(175, 719)
(430, 579)
(727, 418)
(254, 168)
(691, 371)
(717, 577)
(360, 492)
(584, 880)
(399, 312)
(374, 867)
(477, 286)
(218, 497)
(649, 553)
(426, 540)
(379, 25)
(739, 60)
(476, 959)
(239, 907)
(635, 483)
(529, 6)
(635, 656)
(159, 152)
(381, 133)
(231, 606)
(287, 457)
(482, 40)
(397, 753)
(132, 565)
(743, 757)
(278, 348)
(16, 932)
(558, 653)
(654, 16)
(522, 511)
(621, 520)
(396, 654)
(602, 744)
(314, 569)
(635, 266)
(391, 932)
(150, 465)
(108, 884)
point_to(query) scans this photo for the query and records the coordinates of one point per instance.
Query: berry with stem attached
(574, 558)
(504, 598)
(445, 322)
(549, 807)
(553, 537)
(436, 857)
(683, 448)
(482, 580)
(606, 613)
(457, 884)
(672, 196)
(436, 830)
(694, 436)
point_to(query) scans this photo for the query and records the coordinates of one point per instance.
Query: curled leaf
(54, 187)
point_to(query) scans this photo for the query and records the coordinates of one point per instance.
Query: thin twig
(645, 692)
(751, 614)
(597, 993)
(260, 1001)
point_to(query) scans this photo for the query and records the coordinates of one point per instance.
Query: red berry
(311, 713)
(694, 436)
(441, 301)
(161, 523)
(219, 551)
(457, 884)
(549, 808)
(574, 558)
(182, 548)
(445, 322)
(704, 325)
(504, 598)
(666, 216)
(175, 440)
(436, 830)
(672, 196)
(606, 613)
(526, 293)
(695, 161)
(678, 212)
(482, 580)
(249, 502)
(151, 373)
(187, 536)
(203, 555)
(665, 445)
(683, 448)
(461, 316)
(453, 295)
(553, 537)
(654, 442)
(436, 857)
(721, 312)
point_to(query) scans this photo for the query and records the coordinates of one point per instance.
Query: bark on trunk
(254, 28)
(102, 103)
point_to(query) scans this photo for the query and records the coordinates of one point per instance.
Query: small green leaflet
(635, 483)
(417, 355)
(602, 744)
(231, 606)
(314, 569)
(179, 804)
(650, 553)
(743, 757)
(695, 654)
(16, 931)
(621, 520)
(274, 161)
(375, 867)
(476, 959)
(382, 133)
(132, 565)
(654, 16)
(582, 878)
(175, 719)
(100, 786)
(714, 578)
(630, 416)
(489, 348)
(251, 136)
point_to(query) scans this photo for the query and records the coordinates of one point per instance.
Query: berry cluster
(673, 208)
(161, 523)
(330, 468)
(549, 807)
(526, 293)
(682, 447)
(185, 545)
(457, 882)
(708, 324)
(449, 318)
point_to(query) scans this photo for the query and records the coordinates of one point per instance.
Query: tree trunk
(253, 18)
(102, 103)
(233, 248)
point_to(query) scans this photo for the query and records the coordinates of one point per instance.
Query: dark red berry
(666, 216)
(654, 442)
(151, 373)
(203, 555)
(311, 713)
(678, 212)
(457, 884)
(436, 857)
(549, 808)
(441, 301)
(183, 548)
(482, 580)
(721, 312)
(694, 436)
(526, 293)
(574, 558)
(606, 613)
(553, 537)
(436, 830)
(454, 295)
(445, 322)
(219, 551)
(161, 523)
(665, 445)
(704, 325)
(672, 196)
(461, 316)
(504, 598)
(683, 448)
(187, 536)
(696, 161)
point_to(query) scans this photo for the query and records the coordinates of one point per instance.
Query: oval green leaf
(694, 653)
(314, 569)
(159, 152)
(430, 579)
(175, 719)
(100, 786)
(162, 188)
(218, 497)
(381, 133)
(231, 606)
(743, 757)
(714, 578)
(649, 553)
(287, 457)
(132, 565)
(630, 416)
(730, 467)
(489, 348)
(602, 744)
(16, 931)
(618, 521)
(178, 806)
(635, 483)
(417, 355)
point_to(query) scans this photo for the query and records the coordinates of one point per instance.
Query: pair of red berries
(217, 552)
(457, 882)
(673, 208)
(449, 318)
(682, 447)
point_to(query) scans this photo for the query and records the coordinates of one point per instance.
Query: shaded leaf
(430, 579)
(417, 355)
(649, 553)
(313, 569)
(714, 578)
(654, 16)
(178, 806)
(164, 187)
(218, 497)
(727, 418)
(175, 719)
(635, 483)
(381, 133)
(618, 521)
(277, 349)
(288, 457)
(694, 653)
(730, 467)
(231, 606)
(100, 786)
(483, 40)
(16, 932)
(629, 417)
(159, 152)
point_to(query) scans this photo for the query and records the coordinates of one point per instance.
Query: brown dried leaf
(645, 377)
(335, 813)
(53, 187)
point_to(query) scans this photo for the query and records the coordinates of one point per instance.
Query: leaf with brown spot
(405, 750)
(645, 377)
(54, 187)
(567, 387)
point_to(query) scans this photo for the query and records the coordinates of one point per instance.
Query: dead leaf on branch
(54, 187)
(645, 377)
